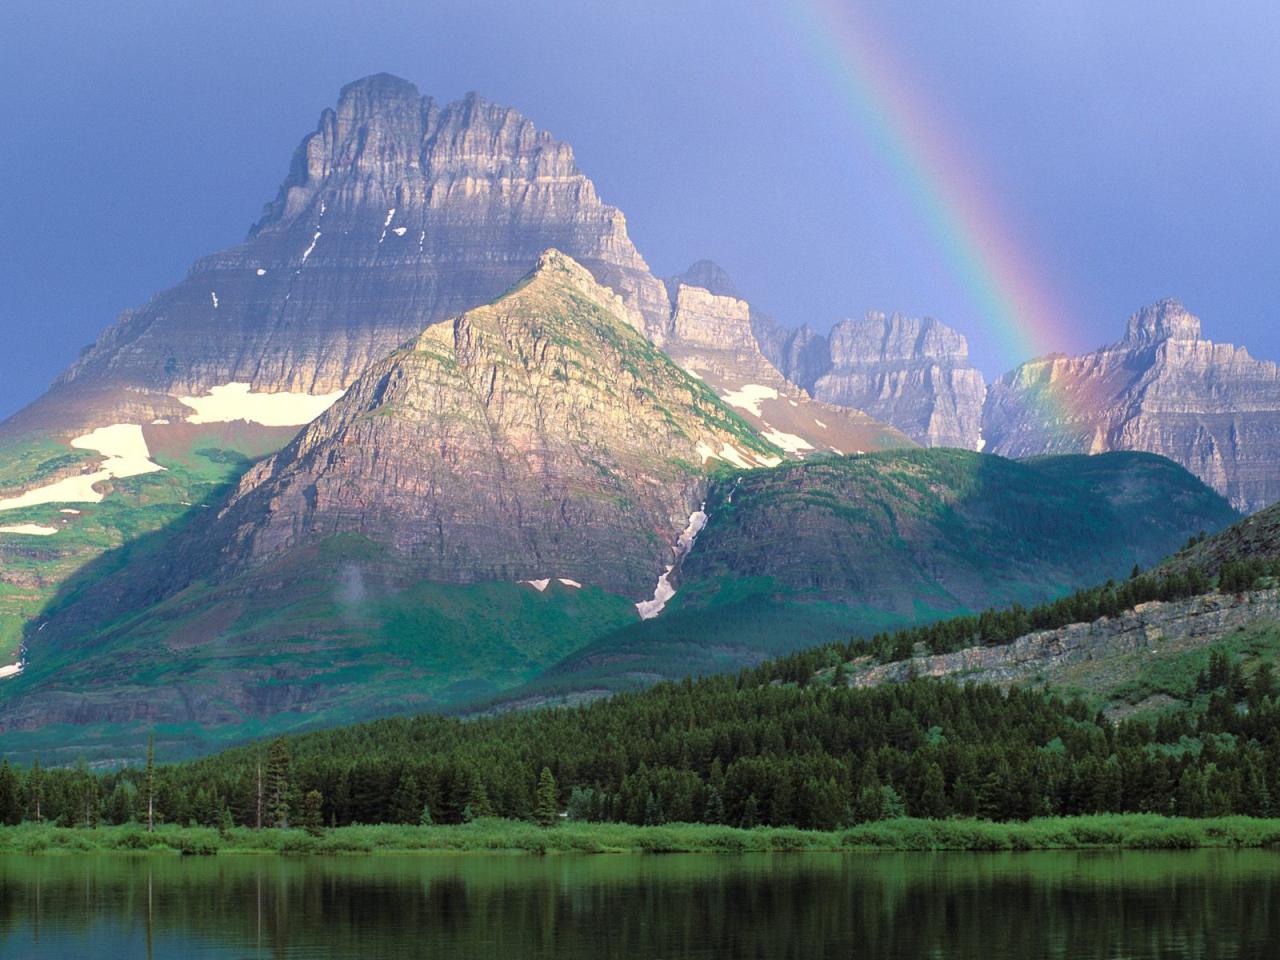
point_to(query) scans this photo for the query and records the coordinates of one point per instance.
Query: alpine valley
(434, 437)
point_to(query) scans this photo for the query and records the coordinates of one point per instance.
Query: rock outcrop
(1149, 629)
(1164, 388)
(711, 335)
(913, 374)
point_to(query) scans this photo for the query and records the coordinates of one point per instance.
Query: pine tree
(278, 784)
(424, 818)
(10, 800)
(406, 804)
(312, 812)
(151, 783)
(714, 812)
(35, 790)
(546, 804)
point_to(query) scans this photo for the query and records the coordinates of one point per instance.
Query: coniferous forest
(785, 744)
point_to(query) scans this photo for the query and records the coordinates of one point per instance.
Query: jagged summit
(1164, 320)
(1163, 388)
(708, 275)
(911, 373)
(396, 212)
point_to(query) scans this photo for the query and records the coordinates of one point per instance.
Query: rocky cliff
(1102, 656)
(540, 436)
(397, 212)
(711, 335)
(1163, 388)
(911, 373)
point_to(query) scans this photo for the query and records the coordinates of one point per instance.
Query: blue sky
(1133, 148)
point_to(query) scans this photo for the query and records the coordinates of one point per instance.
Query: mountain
(815, 551)
(1163, 388)
(397, 213)
(911, 373)
(711, 336)
(502, 488)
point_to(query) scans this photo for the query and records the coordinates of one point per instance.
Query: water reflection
(1210, 904)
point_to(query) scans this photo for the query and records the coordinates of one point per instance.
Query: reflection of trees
(1203, 903)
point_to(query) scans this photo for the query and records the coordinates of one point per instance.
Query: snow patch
(159, 421)
(421, 239)
(12, 670)
(29, 529)
(749, 397)
(386, 223)
(69, 510)
(215, 299)
(664, 591)
(787, 441)
(235, 401)
(705, 451)
(123, 445)
(261, 272)
(731, 454)
(307, 252)
(126, 453)
(570, 583)
(819, 423)
(538, 585)
(400, 231)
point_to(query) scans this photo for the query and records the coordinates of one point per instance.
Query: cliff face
(913, 374)
(711, 335)
(1163, 388)
(1105, 652)
(397, 212)
(538, 437)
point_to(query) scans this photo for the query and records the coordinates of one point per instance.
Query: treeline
(774, 745)
(741, 751)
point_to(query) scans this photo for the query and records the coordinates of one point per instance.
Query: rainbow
(964, 219)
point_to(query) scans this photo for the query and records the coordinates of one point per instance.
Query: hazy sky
(1129, 150)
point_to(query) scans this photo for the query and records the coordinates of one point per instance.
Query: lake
(1077, 905)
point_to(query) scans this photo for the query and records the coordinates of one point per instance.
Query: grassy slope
(196, 475)
(1106, 831)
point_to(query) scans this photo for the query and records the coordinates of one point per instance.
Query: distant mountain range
(435, 430)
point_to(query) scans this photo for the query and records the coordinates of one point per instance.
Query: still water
(1203, 904)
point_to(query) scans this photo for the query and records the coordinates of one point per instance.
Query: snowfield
(235, 401)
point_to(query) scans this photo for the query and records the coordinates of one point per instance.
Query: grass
(1103, 831)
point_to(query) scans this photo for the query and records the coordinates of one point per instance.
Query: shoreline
(1094, 832)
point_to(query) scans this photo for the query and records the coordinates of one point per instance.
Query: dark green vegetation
(201, 466)
(811, 552)
(773, 746)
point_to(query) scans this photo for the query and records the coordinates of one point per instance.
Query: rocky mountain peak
(1165, 320)
(894, 338)
(708, 275)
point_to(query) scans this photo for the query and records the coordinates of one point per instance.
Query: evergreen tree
(35, 791)
(10, 798)
(406, 802)
(151, 783)
(714, 810)
(312, 812)
(277, 784)
(546, 808)
(424, 818)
